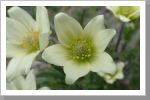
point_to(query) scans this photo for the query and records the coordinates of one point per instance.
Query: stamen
(31, 40)
(80, 48)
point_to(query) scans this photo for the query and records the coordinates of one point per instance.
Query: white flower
(125, 13)
(81, 50)
(25, 39)
(111, 78)
(20, 83)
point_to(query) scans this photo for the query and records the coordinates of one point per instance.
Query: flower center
(80, 49)
(31, 40)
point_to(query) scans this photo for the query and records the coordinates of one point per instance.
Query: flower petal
(44, 88)
(23, 17)
(103, 63)
(26, 62)
(56, 54)
(111, 81)
(123, 18)
(66, 28)
(42, 19)
(12, 69)
(30, 81)
(74, 71)
(12, 49)
(18, 83)
(15, 31)
(95, 25)
(135, 14)
(102, 39)
(44, 40)
(114, 9)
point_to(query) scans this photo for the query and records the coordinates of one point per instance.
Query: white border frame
(142, 90)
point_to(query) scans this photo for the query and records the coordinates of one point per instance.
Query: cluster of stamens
(126, 11)
(31, 40)
(80, 49)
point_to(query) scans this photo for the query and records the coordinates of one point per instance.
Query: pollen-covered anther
(80, 49)
(31, 40)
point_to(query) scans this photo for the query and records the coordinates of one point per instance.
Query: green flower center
(31, 40)
(80, 49)
(125, 10)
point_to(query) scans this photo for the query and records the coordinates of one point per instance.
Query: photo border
(73, 92)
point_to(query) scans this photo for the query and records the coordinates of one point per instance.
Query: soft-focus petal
(12, 49)
(103, 63)
(135, 14)
(114, 9)
(111, 81)
(42, 19)
(8, 86)
(30, 83)
(102, 38)
(12, 69)
(95, 25)
(23, 17)
(123, 18)
(74, 71)
(44, 40)
(44, 88)
(56, 54)
(26, 62)
(66, 28)
(15, 31)
(119, 75)
(18, 83)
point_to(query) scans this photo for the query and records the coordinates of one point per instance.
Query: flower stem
(119, 38)
(82, 18)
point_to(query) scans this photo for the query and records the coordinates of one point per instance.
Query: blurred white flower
(125, 13)
(111, 78)
(25, 39)
(81, 50)
(20, 83)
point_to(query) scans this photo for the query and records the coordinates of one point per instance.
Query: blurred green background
(127, 51)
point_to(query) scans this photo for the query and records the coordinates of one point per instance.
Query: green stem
(82, 18)
(119, 38)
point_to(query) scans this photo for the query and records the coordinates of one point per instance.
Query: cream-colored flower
(81, 50)
(125, 13)
(25, 39)
(111, 78)
(20, 83)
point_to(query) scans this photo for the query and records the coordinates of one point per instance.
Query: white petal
(135, 14)
(23, 17)
(56, 54)
(66, 28)
(15, 31)
(102, 38)
(8, 86)
(44, 40)
(119, 75)
(12, 49)
(95, 25)
(111, 81)
(12, 69)
(74, 71)
(30, 81)
(103, 63)
(42, 19)
(114, 9)
(123, 18)
(26, 62)
(44, 88)
(18, 83)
